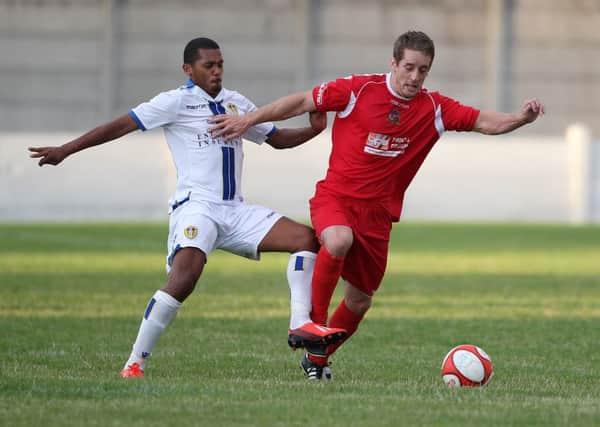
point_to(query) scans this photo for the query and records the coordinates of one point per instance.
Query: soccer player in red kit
(385, 126)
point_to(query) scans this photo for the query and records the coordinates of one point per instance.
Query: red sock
(342, 318)
(328, 269)
(321, 361)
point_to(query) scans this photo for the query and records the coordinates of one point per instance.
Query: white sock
(299, 274)
(161, 310)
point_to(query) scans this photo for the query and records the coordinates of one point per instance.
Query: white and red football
(467, 366)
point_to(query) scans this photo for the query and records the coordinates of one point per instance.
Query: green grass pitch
(72, 297)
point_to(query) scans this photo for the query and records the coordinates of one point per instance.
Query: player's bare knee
(362, 306)
(185, 272)
(339, 245)
(306, 241)
(337, 239)
(356, 300)
(358, 305)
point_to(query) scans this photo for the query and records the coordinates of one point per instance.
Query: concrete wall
(127, 179)
(65, 65)
(466, 177)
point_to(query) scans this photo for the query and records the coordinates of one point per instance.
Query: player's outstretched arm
(104, 133)
(288, 138)
(230, 126)
(495, 123)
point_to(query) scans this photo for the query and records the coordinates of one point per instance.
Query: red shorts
(371, 224)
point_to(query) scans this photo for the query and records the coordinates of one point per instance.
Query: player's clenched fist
(532, 108)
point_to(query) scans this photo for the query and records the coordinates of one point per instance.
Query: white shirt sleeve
(258, 133)
(159, 111)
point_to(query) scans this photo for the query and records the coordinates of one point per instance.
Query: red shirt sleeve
(457, 116)
(333, 96)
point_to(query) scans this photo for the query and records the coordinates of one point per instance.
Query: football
(467, 366)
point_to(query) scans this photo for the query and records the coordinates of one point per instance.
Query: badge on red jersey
(394, 117)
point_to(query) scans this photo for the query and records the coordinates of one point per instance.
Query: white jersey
(207, 168)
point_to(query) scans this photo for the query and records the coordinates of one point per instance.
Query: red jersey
(380, 139)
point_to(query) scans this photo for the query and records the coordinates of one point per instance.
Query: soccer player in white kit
(207, 211)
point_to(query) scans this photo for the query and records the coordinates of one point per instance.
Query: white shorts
(237, 228)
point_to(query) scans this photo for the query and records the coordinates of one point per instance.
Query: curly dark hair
(190, 53)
